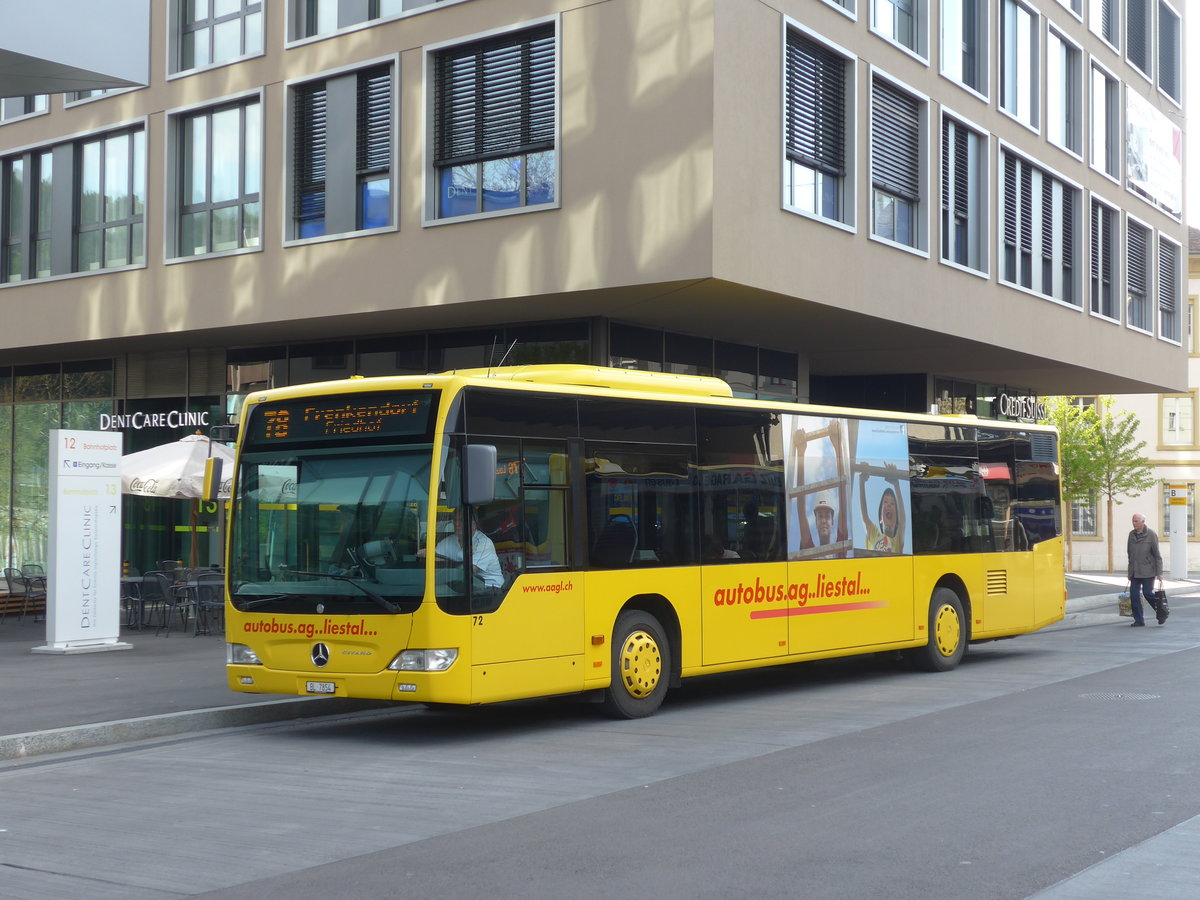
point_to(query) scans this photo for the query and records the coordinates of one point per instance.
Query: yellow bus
(489, 535)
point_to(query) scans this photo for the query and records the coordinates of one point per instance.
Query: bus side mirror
(480, 463)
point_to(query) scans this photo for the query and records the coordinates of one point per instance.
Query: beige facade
(668, 208)
(1168, 425)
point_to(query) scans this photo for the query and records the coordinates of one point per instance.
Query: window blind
(309, 147)
(374, 120)
(816, 106)
(895, 141)
(495, 98)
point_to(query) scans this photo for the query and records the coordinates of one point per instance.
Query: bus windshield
(330, 529)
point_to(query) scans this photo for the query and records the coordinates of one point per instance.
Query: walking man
(1145, 566)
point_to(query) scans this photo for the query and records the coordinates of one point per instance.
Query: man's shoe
(1137, 624)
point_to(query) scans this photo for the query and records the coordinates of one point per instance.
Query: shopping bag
(1124, 604)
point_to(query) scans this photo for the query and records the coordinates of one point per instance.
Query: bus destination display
(342, 418)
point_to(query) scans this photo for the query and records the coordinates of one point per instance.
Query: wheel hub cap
(641, 664)
(946, 630)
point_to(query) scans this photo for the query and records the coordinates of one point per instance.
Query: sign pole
(83, 573)
(1177, 498)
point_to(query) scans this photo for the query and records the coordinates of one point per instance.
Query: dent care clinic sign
(83, 608)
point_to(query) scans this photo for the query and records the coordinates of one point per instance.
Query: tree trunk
(1067, 530)
(1111, 536)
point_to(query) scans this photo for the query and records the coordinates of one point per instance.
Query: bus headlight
(424, 660)
(241, 655)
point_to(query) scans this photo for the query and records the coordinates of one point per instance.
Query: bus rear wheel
(947, 634)
(641, 666)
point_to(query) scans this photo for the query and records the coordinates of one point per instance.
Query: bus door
(539, 611)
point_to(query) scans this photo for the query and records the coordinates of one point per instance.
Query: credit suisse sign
(1021, 406)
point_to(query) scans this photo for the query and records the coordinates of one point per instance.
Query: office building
(899, 204)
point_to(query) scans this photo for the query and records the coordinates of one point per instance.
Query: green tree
(1124, 468)
(1080, 472)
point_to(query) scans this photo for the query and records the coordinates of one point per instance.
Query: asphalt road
(1057, 765)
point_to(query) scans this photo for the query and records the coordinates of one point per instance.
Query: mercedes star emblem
(320, 655)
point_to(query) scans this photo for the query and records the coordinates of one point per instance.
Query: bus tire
(947, 634)
(641, 666)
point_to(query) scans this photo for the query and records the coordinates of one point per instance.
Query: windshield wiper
(380, 601)
(263, 601)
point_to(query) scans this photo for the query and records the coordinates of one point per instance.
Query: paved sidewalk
(163, 686)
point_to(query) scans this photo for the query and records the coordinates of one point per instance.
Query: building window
(816, 130)
(1168, 52)
(1169, 280)
(1138, 32)
(964, 179)
(1106, 123)
(220, 150)
(1083, 517)
(1103, 260)
(1064, 88)
(1039, 230)
(211, 32)
(342, 186)
(313, 17)
(1166, 508)
(494, 124)
(111, 202)
(1137, 276)
(19, 107)
(1104, 16)
(901, 22)
(896, 156)
(964, 42)
(97, 185)
(1019, 60)
(15, 233)
(1177, 421)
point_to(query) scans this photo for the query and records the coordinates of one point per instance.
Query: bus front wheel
(947, 633)
(641, 666)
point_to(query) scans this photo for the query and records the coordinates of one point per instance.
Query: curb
(121, 731)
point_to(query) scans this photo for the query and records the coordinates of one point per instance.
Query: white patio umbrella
(175, 470)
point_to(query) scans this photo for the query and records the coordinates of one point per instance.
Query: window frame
(1025, 232)
(1009, 96)
(1064, 100)
(63, 205)
(976, 215)
(494, 39)
(885, 179)
(919, 48)
(176, 209)
(1167, 405)
(300, 13)
(1172, 306)
(345, 155)
(1176, 76)
(1147, 46)
(982, 46)
(1111, 35)
(103, 224)
(1078, 508)
(846, 217)
(1113, 152)
(1114, 261)
(1150, 260)
(180, 27)
(36, 105)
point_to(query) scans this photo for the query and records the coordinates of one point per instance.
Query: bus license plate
(320, 687)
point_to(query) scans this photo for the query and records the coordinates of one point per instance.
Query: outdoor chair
(210, 602)
(31, 590)
(181, 599)
(155, 594)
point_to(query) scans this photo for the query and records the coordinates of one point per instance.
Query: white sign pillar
(1177, 499)
(83, 573)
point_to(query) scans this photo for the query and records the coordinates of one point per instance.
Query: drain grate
(1122, 695)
